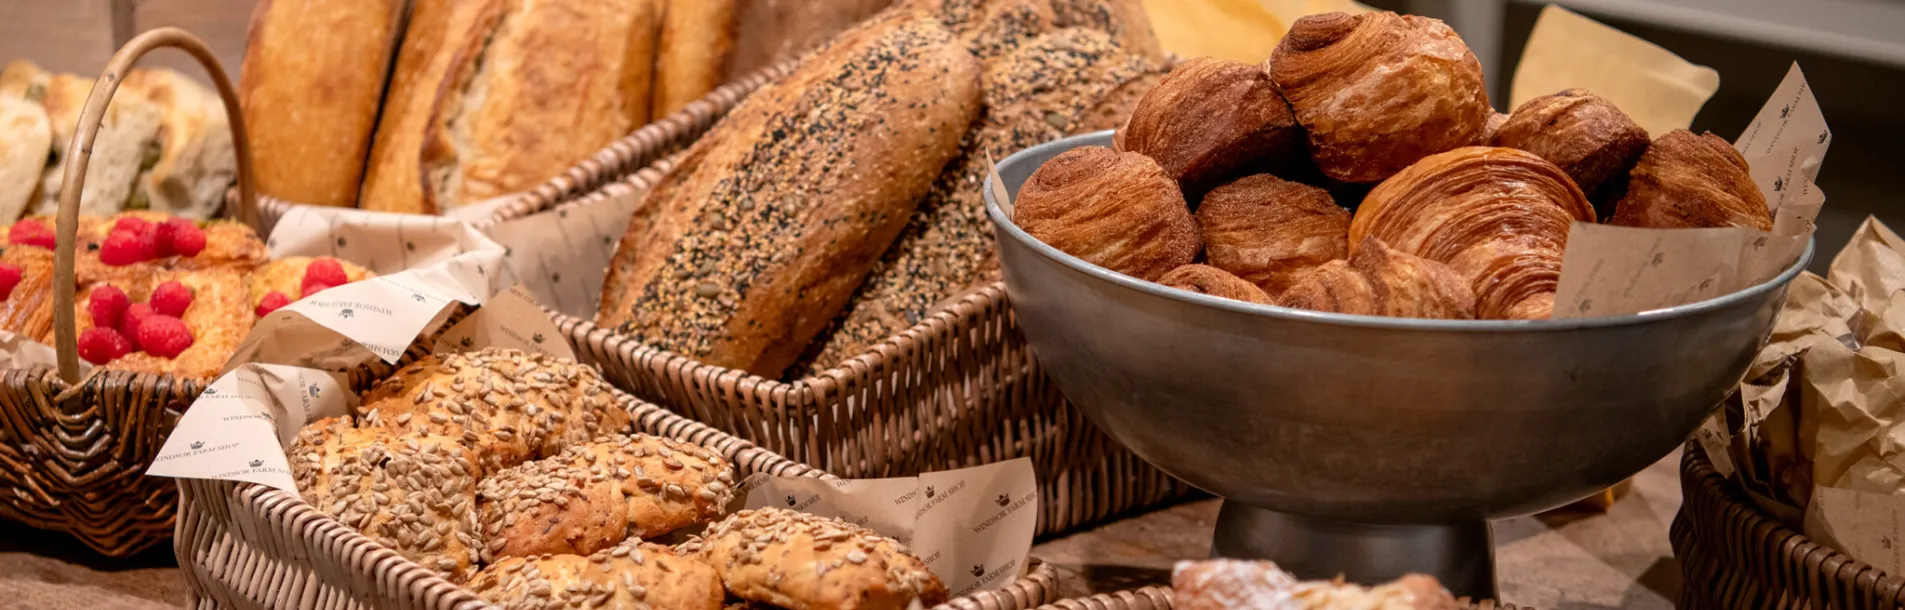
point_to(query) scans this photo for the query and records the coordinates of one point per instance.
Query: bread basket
(1733, 554)
(1159, 598)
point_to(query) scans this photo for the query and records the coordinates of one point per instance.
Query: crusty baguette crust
(393, 181)
(130, 128)
(799, 191)
(22, 153)
(697, 36)
(196, 163)
(529, 97)
(310, 85)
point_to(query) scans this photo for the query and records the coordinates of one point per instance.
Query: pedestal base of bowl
(1461, 555)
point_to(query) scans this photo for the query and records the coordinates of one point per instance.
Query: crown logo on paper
(1779, 184)
(1003, 500)
(468, 342)
(1823, 135)
(929, 491)
(410, 246)
(257, 463)
(1885, 542)
(417, 297)
(1658, 259)
(791, 501)
(978, 570)
(341, 242)
(345, 313)
(536, 337)
(1786, 111)
(196, 445)
(313, 390)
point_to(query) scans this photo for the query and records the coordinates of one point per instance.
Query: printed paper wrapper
(1821, 415)
(562, 255)
(973, 526)
(238, 428)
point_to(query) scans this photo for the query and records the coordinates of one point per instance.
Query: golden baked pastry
(1379, 91)
(1493, 126)
(803, 562)
(507, 405)
(287, 276)
(594, 495)
(629, 576)
(1379, 281)
(1689, 181)
(414, 493)
(1268, 230)
(1116, 210)
(1210, 120)
(1205, 279)
(1229, 584)
(1584, 135)
(1498, 216)
(219, 317)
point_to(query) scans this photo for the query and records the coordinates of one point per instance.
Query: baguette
(794, 195)
(696, 38)
(393, 181)
(310, 84)
(539, 87)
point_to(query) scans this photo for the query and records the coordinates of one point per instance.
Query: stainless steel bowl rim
(1277, 311)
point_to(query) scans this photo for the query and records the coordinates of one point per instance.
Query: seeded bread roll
(803, 562)
(592, 496)
(507, 405)
(413, 493)
(1036, 94)
(632, 575)
(797, 193)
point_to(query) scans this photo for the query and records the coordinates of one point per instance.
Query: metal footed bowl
(1353, 424)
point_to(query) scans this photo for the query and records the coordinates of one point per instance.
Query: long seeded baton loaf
(1039, 93)
(794, 195)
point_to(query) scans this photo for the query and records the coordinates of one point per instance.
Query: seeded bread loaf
(1004, 25)
(793, 196)
(1040, 92)
(413, 493)
(310, 85)
(805, 562)
(592, 496)
(507, 405)
(631, 575)
(1125, 20)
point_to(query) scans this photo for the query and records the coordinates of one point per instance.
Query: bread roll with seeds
(1034, 95)
(632, 575)
(799, 191)
(413, 493)
(507, 405)
(803, 562)
(592, 496)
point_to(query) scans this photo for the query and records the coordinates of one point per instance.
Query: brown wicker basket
(73, 451)
(1159, 598)
(1735, 555)
(248, 546)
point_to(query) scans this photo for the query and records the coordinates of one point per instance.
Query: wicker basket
(1734, 555)
(1159, 598)
(73, 451)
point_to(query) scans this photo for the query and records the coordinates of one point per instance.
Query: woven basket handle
(79, 153)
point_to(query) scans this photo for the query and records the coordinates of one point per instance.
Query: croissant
(1377, 92)
(1493, 126)
(1267, 230)
(1115, 210)
(1689, 181)
(1381, 281)
(1210, 118)
(1498, 216)
(1205, 279)
(1583, 134)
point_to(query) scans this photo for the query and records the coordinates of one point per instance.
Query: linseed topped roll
(413, 493)
(592, 496)
(797, 560)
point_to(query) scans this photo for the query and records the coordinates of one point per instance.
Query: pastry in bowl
(1116, 210)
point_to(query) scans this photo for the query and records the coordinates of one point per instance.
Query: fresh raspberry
(129, 323)
(29, 232)
(171, 299)
(323, 273)
(124, 247)
(108, 306)
(273, 301)
(102, 345)
(9, 277)
(164, 336)
(180, 237)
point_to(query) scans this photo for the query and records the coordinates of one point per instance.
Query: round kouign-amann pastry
(1205, 279)
(1377, 92)
(630, 575)
(803, 562)
(1586, 136)
(594, 495)
(508, 405)
(413, 493)
(1210, 119)
(1689, 181)
(1115, 210)
(1494, 126)
(1498, 216)
(1379, 281)
(1228, 584)
(1268, 230)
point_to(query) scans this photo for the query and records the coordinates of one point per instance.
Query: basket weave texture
(1733, 554)
(1159, 598)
